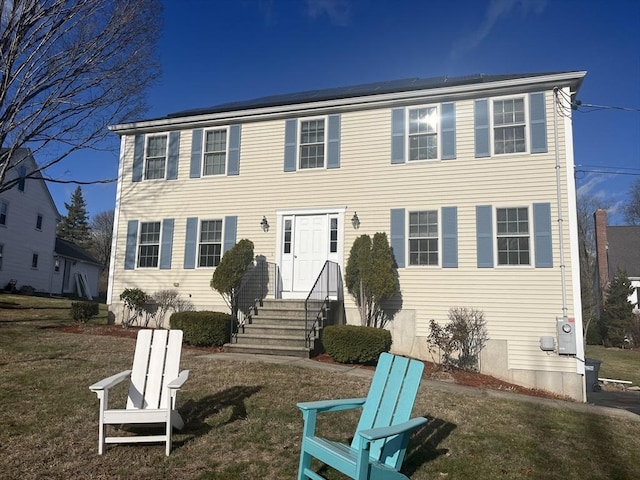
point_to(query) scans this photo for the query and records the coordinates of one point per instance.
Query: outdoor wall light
(264, 224)
(355, 221)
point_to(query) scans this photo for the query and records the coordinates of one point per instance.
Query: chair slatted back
(155, 363)
(390, 401)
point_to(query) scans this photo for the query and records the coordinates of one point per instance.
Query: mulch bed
(431, 370)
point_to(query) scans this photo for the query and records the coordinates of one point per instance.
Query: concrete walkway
(625, 405)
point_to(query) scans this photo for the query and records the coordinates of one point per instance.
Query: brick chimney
(602, 247)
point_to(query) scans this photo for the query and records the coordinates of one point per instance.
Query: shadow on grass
(423, 446)
(196, 412)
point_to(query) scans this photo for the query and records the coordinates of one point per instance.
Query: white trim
(226, 153)
(144, 156)
(301, 120)
(527, 125)
(530, 235)
(138, 244)
(116, 218)
(407, 225)
(199, 236)
(438, 134)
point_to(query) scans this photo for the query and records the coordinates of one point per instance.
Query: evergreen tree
(74, 226)
(617, 313)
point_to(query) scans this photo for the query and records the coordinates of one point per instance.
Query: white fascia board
(376, 100)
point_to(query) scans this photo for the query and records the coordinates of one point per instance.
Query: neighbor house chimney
(602, 247)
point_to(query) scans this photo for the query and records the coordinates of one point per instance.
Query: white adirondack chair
(152, 394)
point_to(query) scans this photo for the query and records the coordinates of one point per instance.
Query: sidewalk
(624, 405)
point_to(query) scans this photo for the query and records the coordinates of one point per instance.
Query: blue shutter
(233, 165)
(542, 235)
(397, 135)
(484, 235)
(481, 119)
(132, 240)
(448, 125)
(449, 237)
(190, 242)
(333, 154)
(230, 228)
(397, 235)
(290, 144)
(538, 123)
(166, 245)
(138, 158)
(196, 154)
(174, 154)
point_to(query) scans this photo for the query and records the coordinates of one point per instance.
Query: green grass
(242, 422)
(617, 364)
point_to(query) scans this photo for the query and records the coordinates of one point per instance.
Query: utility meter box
(566, 335)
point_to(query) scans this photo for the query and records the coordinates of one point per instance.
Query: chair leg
(305, 462)
(101, 433)
(168, 433)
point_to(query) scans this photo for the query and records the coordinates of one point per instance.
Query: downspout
(563, 281)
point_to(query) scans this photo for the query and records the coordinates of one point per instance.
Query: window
(39, 222)
(215, 152)
(149, 245)
(4, 210)
(1, 254)
(423, 238)
(34, 261)
(423, 133)
(509, 126)
(287, 236)
(333, 235)
(312, 138)
(156, 157)
(22, 181)
(210, 249)
(56, 265)
(513, 236)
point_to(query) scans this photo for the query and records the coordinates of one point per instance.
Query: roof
(624, 249)
(67, 249)
(392, 86)
(392, 89)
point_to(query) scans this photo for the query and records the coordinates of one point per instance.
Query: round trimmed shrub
(355, 343)
(204, 328)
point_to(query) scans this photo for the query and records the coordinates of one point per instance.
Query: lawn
(617, 364)
(242, 422)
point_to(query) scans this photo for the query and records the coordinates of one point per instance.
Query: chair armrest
(109, 382)
(178, 382)
(372, 434)
(332, 405)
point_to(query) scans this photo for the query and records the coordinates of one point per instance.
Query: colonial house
(32, 259)
(617, 249)
(470, 178)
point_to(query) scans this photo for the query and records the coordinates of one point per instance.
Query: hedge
(204, 328)
(83, 311)
(354, 343)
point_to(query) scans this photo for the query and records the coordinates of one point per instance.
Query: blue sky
(217, 51)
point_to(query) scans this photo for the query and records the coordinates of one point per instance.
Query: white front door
(307, 241)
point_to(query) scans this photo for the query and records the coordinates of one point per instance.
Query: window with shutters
(210, 244)
(214, 152)
(155, 157)
(512, 229)
(422, 132)
(149, 244)
(509, 125)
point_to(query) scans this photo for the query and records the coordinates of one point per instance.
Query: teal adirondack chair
(382, 435)
(155, 381)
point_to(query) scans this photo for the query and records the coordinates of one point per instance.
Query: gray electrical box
(566, 335)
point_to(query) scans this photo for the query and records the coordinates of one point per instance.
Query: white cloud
(496, 11)
(338, 11)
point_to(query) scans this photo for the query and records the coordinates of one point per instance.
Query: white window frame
(325, 142)
(529, 236)
(4, 211)
(408, 237)
(139, 244)
(437, 134)
(204, 151)
(201, 243)
(146, 157)
(525, 124)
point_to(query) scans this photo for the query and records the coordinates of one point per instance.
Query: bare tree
(101, 235)
(632, 207)
(69, 68)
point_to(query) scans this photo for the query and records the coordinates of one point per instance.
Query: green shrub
(83, 311)
(203, 329)
(355, 343)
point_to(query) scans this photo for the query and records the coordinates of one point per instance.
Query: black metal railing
(262, 281)
(327, 288)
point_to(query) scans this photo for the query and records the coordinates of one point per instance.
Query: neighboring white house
(471, 179)
(30, 254)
